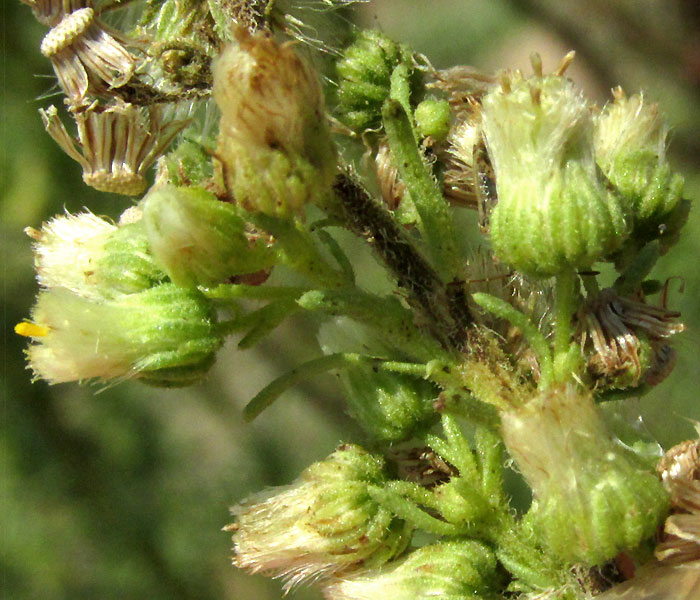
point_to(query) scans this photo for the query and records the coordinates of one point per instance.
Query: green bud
(554, 212)
(593, 497)
(274, 139)
(433, 118)
(364, 78)
(389, 406)
(630, 145)
(94, 258)
(165, 335)
(452, 570)
(324, 523)
(198, 239)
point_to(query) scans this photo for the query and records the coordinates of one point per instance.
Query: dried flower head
(626, 336)
(86, 57)
(116, 145)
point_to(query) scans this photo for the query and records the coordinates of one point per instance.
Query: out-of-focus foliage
(122, 493)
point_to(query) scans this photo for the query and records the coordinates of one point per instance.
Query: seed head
(116, 145)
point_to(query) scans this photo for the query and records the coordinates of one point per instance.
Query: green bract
(389, 406)
(451, 570)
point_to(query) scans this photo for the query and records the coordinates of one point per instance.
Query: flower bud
(593, 497)
(324, 523)
(554, 212)
(389, 406)
(630, 146)
(93, 258)
(274, 140)
(364, 78)
(433, 118)
(197, 239)
(459, 569)
(165, 335)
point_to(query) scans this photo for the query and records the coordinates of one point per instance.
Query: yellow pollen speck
(31, 329)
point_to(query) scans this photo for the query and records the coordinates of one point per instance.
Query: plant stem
(501, 309)
(435, 221)
(320, 365)
(235, 291)
(298, 250)
(565, 290)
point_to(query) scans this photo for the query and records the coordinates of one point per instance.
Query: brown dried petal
(85, 57)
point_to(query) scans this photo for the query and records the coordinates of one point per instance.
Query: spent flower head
(115, 145)
(86, 56)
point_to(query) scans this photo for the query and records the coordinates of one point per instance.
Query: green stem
(630, 281)
(501, 309)
(235, 291)
(268, 316)
(590, 284)
(298, 250)
(565, 297)
(435, 219)
(317, 366)
(386, 315)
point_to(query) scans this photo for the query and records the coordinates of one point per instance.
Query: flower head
(274, 139)
(116, 145)
(324, 523)
(164, 335)
(630, 144)
(554, 212)
(593, 497)
(92, 257)
(198, 239)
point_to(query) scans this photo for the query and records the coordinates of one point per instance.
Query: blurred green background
(122, 492)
